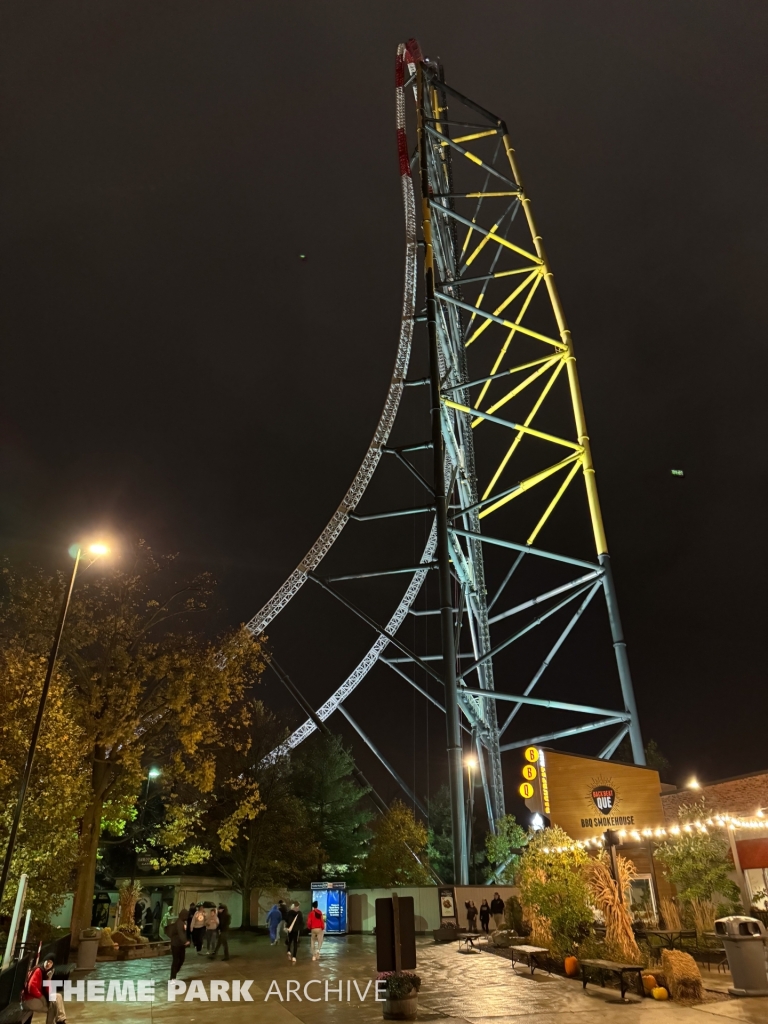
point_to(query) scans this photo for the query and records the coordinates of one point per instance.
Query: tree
(144, 687)
(698, 863)
(509, 836)
(47, 842)
(554, 891)
(654, 757)
(322, 779)
(397, 836)
(440, 848)
(258, 830)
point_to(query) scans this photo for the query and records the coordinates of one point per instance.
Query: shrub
(554, 891)
(513, 915)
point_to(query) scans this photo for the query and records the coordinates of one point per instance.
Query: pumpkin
(649, 983)
(571, 966)
(660, 993)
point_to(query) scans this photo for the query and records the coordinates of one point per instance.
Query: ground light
(97, 550)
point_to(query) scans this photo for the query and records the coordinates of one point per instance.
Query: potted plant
(402, 993)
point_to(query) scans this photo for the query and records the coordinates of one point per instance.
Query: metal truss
(508, 439)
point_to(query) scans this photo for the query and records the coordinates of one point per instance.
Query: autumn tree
(145, 686)
(322, 780)
(259, 832)
(47, 843)
(398, 840)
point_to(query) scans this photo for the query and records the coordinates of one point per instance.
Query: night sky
(172, 368)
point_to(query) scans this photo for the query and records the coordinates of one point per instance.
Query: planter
(444, 934)
(401, 1009)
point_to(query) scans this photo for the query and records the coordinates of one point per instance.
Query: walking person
(222, 939)
(190, 918)
(316, 925)
(471, 916)
(179, 942)
(282, 907)
(211, 927)
(198, 927)
(485, 915)
(274, 922)
(497, 910)
(293, 928)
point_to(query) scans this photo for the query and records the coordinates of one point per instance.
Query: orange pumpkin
(571, 966)
(649, 983)
(660, 993)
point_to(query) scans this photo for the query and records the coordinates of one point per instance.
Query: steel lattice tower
(501, 359)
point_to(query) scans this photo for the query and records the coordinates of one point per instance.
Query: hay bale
(123, 940)
(503, 938)
(682, 974)
(105, 939)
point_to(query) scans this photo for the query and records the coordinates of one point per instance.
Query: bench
(15, 1014)
(534, 954)
(611, 967)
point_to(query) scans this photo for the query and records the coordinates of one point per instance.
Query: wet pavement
(457, 988)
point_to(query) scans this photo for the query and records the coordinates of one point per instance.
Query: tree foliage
(143, 685)
(397, 836)
(47, 842)
(554, 890)
(654, 756)
(440, 848)
(322, 779)
(509, 836)
(698, 863)
(258, 830)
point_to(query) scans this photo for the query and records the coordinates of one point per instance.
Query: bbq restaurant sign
(586, 795)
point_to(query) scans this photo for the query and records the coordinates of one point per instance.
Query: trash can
(744, 939)
(87, 949)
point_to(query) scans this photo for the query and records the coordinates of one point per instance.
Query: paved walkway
(471, 988)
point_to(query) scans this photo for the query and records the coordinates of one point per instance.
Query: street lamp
(471, 764)
(153, 773)
(96, 550)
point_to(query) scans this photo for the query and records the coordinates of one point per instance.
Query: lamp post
(96, 550)
(471, 764)
(153, 773)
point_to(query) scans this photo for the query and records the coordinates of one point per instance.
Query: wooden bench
(15, 1014)
(611, 967)
(534, 954)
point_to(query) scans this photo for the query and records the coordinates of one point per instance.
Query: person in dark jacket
(497, 910)
(471, 916)
(225, 920)
(190, 915)
(179, 942)
(485, 915)
(293, 928)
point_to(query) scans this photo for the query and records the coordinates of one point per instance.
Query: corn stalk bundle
(607, 897)
(704, 913)
(671, 913)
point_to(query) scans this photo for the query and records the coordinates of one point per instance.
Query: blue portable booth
(332, 900)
